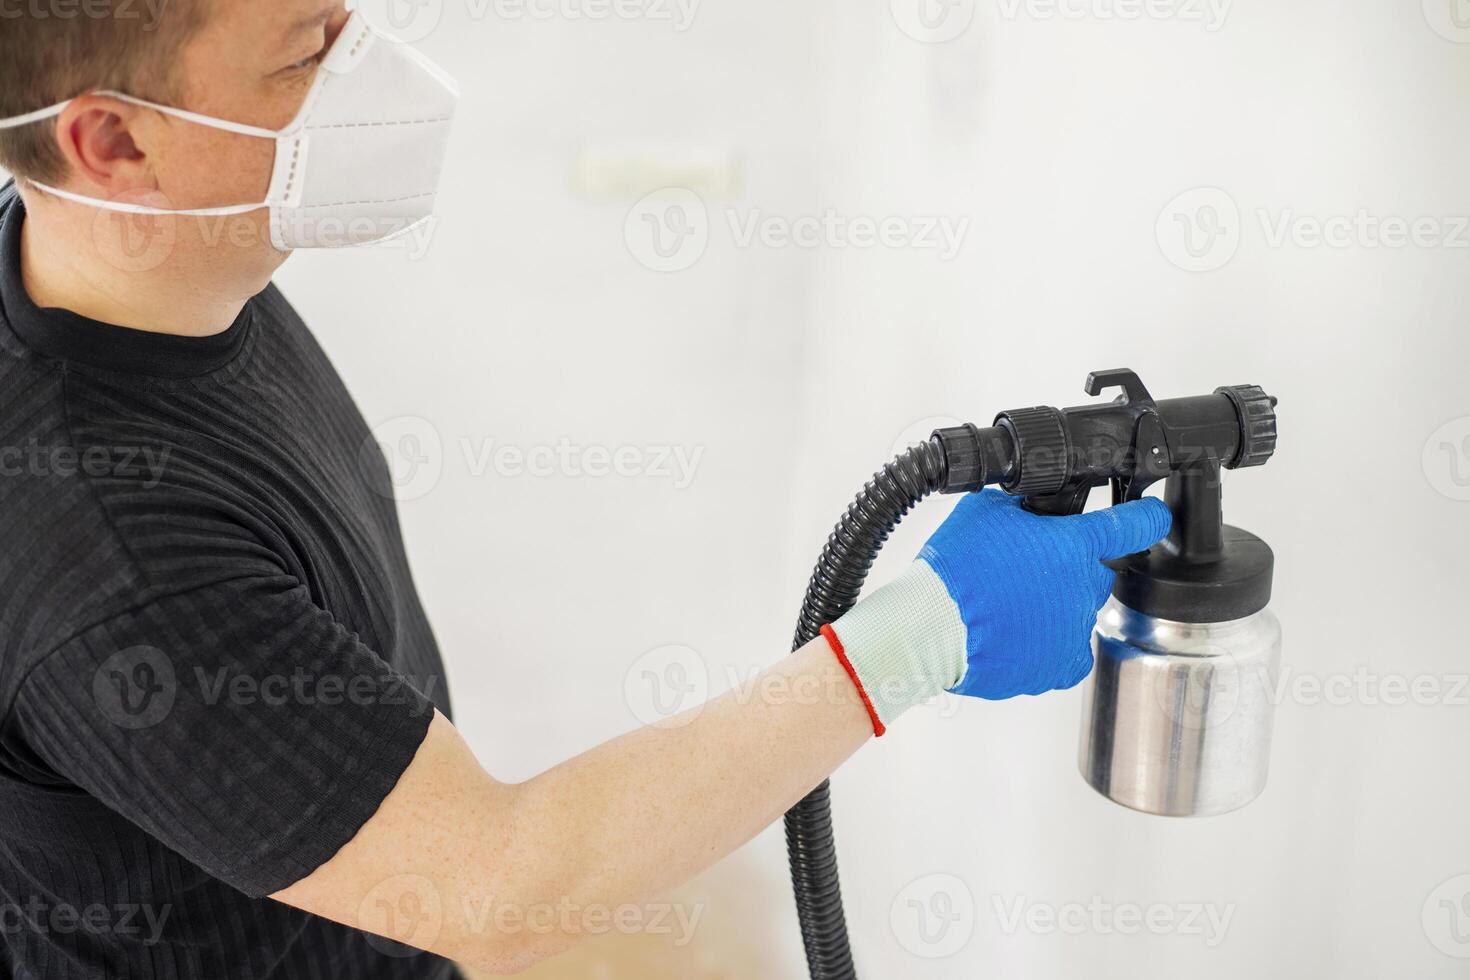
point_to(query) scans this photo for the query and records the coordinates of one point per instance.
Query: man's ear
(106, 141)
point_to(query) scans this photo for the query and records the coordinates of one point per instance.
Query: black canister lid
(1205, 571)
(1163, 584)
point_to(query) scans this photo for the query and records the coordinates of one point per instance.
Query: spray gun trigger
(1149, 461)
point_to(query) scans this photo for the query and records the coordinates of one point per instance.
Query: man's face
(252, 61)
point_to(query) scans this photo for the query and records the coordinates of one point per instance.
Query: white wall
(530, 320)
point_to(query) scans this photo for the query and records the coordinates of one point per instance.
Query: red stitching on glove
(836, 645)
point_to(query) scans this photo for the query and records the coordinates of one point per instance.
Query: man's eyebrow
(314, 20)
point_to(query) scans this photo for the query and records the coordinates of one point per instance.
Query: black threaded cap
(964, 458)
(1040, 437)
(1256, 411)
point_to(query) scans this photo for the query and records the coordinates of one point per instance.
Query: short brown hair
(53, 50)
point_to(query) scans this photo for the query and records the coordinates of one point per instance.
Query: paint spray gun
(1178, 710)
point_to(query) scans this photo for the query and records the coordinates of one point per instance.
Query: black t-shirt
(213, 663)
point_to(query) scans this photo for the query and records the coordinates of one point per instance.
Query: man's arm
(452, 852)
(999, 603)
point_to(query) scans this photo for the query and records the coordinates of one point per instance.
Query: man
(225, 737)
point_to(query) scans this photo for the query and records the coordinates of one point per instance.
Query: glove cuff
(901, 645)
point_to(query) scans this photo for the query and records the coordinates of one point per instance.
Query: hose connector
(973, 457)
(964, 458)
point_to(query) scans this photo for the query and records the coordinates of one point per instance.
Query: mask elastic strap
(193, 117)
(123, 206)
(127, 208)
(26, 119)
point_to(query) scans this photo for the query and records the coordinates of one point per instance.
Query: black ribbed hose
(834, 588)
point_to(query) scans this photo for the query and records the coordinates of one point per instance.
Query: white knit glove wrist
(901, 645)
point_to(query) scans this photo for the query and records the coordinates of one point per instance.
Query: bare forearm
(512, 874)
(650, 809)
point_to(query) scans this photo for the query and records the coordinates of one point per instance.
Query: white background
(1062, 140)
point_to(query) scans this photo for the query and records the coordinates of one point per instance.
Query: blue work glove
(1000, 602)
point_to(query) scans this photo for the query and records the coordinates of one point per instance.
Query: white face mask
(360, 162)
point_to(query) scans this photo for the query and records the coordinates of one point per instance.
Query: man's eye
(305, 63)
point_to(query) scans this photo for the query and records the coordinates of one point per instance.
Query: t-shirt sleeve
(238, 723)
